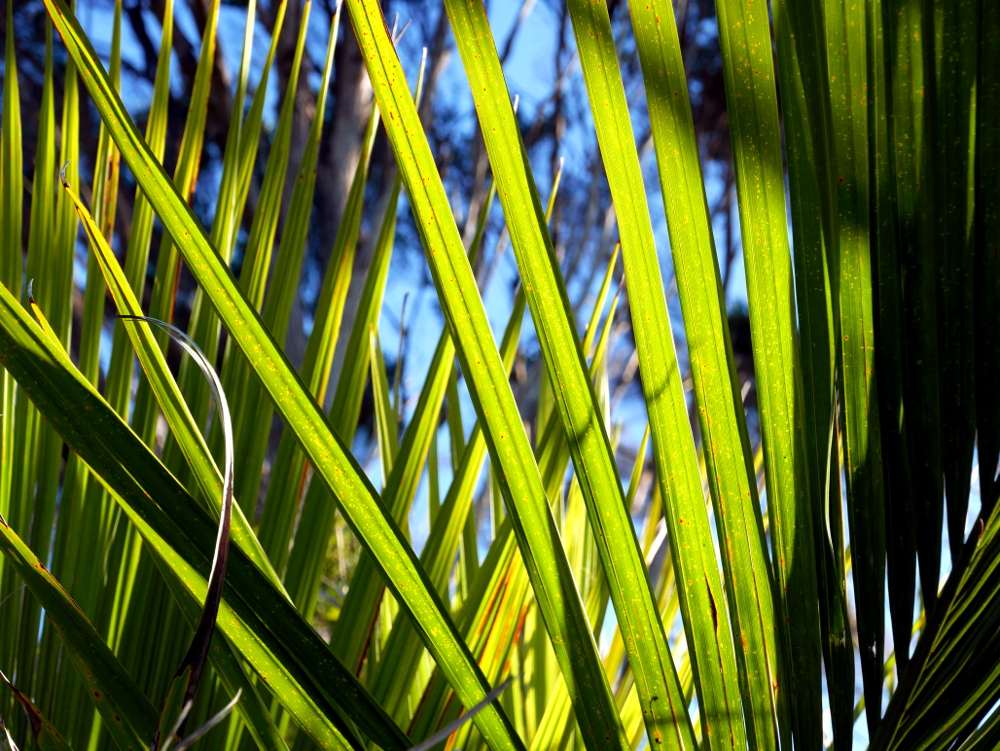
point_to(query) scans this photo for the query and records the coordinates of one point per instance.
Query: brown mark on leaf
(715, 610)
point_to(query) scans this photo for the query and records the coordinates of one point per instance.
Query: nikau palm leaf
(551, 605)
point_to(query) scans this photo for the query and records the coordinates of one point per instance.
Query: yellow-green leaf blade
(330, 457)
(520, 480)
(744, 33)
(720, 411)
(576, 400)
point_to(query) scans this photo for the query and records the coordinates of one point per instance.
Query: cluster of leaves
(877, 368)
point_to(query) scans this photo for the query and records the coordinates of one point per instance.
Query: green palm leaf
(332, 461)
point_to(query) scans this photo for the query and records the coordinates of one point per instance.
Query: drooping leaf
(192, 665)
